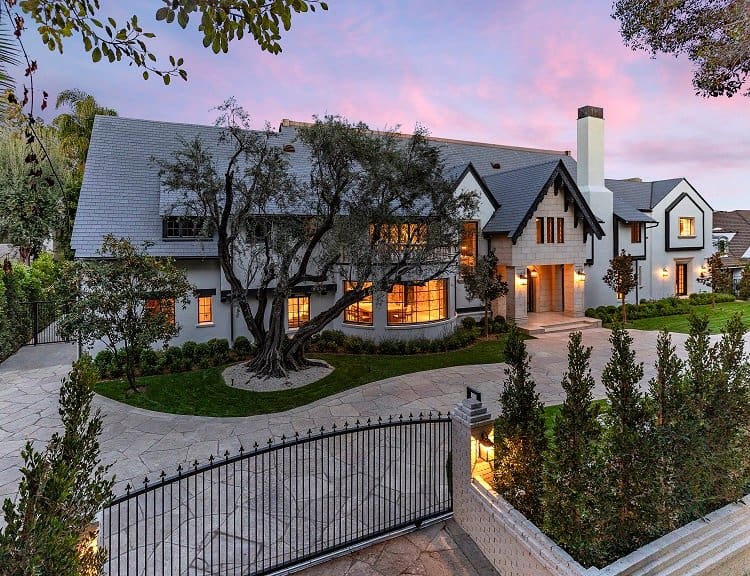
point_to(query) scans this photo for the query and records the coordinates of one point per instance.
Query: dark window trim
(667, 227)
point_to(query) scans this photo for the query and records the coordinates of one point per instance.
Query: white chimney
(590, 150)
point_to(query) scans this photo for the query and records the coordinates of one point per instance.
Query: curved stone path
(140, 442)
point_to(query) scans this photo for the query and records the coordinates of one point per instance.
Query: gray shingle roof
(642, 195)
(738, 222)
(625, 212)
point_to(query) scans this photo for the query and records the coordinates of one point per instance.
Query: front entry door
(530, 292)
(681, 279)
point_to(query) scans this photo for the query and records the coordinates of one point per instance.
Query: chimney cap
(590, 111)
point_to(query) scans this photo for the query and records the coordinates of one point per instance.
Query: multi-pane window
(687, 227)
(560, 230)
(205, 310)
(681, 279)
(540, 230)
(550, 230)
(184, 227)
(298, 311)
(399, 235)
(163, 306)
(468, 248)
(359, 312)
(412, 304)
(635, 233)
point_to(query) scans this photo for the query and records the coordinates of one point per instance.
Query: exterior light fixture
(580, 274)
(522, 278)
(534, 273)
(664, 272)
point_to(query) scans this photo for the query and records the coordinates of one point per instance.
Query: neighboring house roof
(736, 224)
(518, 193)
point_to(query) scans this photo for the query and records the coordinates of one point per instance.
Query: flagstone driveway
(141, 443)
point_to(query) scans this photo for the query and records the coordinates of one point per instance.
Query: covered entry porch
(542, 289)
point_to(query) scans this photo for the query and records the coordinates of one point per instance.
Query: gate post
(35, 322)
(470, 420)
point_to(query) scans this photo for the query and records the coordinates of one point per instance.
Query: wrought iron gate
(43, 322)
(283, 504)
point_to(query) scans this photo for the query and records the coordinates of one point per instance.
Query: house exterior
(553, 223)
(731, 239)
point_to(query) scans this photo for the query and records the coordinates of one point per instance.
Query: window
(184, 227)
(550, 230)
(399, 235)
(687, 227)
(298, 311)
(635, 232)
(560, 230)
(413, 304)
(205, 310)
(540, 230)
(163, 306)
(721, 245)
(469, 244)
(359, 312)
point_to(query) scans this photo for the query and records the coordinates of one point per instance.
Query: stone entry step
(572, 325)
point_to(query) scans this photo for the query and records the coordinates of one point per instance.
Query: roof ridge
(503, 172)
(287, 123)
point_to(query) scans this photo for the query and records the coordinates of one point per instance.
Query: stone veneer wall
(717, 545)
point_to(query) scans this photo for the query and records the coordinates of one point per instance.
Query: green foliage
(743, 288)
(109, 297)
(620, 277)
(703, 298)
(627, 497)
(718, 278)
(242, 346)
(713, 35)
(337, 341)
(61, 491)
(482, 282)
(106, 39)
(569, 511)
(520, 438)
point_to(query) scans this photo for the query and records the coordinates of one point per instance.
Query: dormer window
(687, 227)
(185, 228)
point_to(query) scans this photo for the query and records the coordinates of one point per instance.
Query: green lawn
(718, 317)
(551, 412)
(204, 392)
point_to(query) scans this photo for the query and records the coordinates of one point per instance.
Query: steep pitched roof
(642, 195)
(626, 212)
(737, 225)
(518, 193)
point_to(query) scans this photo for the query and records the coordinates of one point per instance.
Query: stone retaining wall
(717, 545)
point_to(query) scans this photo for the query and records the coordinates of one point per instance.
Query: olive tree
(373, 210)
(125, 299)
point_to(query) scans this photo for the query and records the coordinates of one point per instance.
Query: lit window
(298, 311)
(163, 306)
(359, 312)
(550, 230)
(205, 312)
(560, 230)
(540, 230)
(469, 244)
(635, 232)
(412, 304)
(687, 227)
(399, 235)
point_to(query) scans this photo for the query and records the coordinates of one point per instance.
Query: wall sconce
(522, 279)
(664, 272)
(533, 272)
(703, 271)
(580, 275)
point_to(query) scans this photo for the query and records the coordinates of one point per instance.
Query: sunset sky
(478, 70)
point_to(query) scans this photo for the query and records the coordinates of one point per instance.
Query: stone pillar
(517, 293)
(470, 420)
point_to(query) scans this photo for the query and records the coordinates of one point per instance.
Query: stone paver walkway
(139, 442)
(439, 550)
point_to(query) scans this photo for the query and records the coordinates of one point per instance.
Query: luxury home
(554, 223)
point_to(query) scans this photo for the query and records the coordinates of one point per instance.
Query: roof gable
(519, 192)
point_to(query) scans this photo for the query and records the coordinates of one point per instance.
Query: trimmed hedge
(337, 341)
(654, 308)
(215, 352)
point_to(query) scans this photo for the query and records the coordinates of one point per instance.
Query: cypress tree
(628, 499)
(520, 438)
(568, 509)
